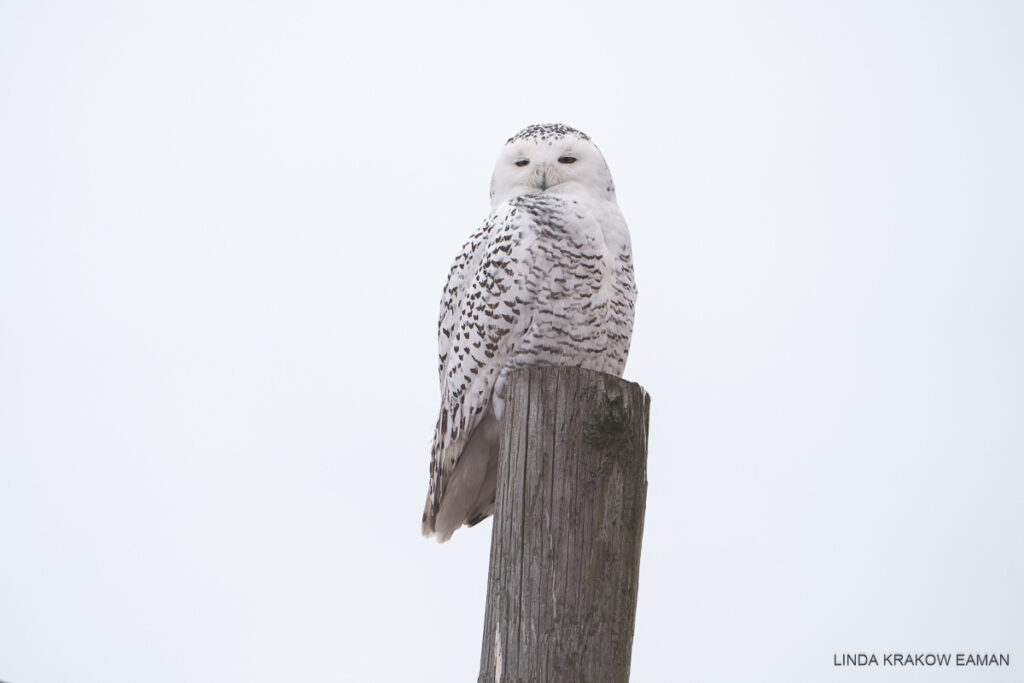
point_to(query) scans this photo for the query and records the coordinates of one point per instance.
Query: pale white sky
(224, 229)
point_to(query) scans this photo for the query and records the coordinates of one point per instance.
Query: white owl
(546, 281)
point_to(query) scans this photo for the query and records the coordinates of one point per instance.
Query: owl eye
(522, 162)
(566, 159)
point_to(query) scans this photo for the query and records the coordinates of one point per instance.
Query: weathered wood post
(569, 519)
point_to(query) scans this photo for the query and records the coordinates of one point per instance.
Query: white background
(224, 229)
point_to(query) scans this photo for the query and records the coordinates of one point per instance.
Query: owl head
(551, 158)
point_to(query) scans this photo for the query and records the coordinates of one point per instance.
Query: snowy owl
(546, 281)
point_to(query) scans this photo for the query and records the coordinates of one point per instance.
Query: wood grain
(568, 525)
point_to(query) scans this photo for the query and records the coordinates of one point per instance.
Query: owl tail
(468, 496)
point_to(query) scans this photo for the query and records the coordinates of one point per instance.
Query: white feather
(547, 280)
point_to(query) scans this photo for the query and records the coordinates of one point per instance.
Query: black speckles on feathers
(546, 280)
(547, 132)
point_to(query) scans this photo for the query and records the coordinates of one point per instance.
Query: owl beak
(544, 181)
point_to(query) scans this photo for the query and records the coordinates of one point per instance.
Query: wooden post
(568, 523)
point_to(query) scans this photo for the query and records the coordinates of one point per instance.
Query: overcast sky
(224, 230)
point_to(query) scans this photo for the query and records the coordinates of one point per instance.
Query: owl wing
(484, 310)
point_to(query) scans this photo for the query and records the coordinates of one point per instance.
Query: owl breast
(578, 288)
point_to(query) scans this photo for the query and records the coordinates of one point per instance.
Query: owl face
(550, 158)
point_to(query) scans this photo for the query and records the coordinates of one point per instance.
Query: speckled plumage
(547, 280)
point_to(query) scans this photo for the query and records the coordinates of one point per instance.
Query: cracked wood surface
(568, 525)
